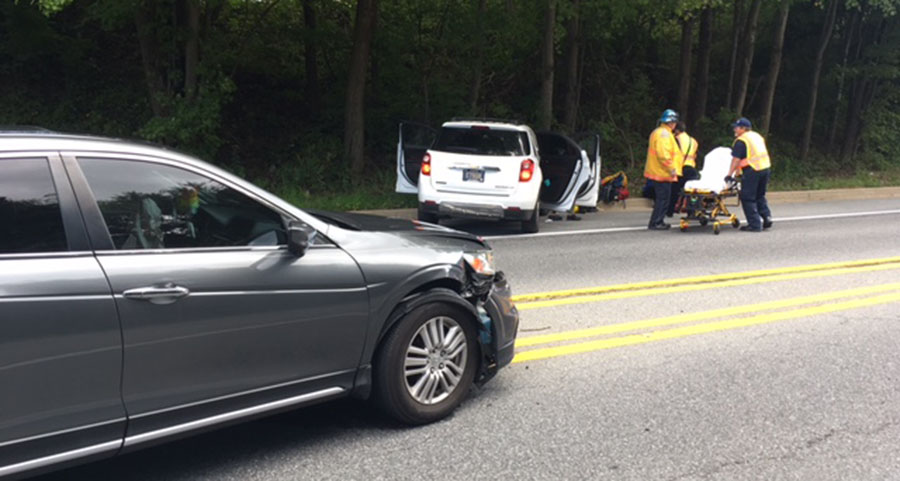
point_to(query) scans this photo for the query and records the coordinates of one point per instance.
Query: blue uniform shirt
(739, 150)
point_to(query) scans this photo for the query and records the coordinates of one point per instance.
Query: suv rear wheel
(429, 217)
(426, 364)
(532, 225)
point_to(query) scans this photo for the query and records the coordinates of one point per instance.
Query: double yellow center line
(880, 294)
(670, 286)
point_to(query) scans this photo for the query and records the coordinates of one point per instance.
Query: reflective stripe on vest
(690, 156)
(757, 154)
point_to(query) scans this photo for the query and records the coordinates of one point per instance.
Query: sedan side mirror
(300, 236)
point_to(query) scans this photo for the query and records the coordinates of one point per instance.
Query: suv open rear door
(414, 140)
(564, 169)
(589, 192)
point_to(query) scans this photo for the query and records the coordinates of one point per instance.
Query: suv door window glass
(154, 206)
(30, 219)
(482, 141)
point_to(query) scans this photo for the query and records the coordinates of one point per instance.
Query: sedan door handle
(166, 294)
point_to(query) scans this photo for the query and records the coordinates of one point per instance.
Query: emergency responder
(660, 167)
(685, 166)
(750, 155)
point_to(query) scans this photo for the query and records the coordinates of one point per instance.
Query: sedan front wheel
(427, 364)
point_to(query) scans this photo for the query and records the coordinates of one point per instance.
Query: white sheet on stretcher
(712, 178)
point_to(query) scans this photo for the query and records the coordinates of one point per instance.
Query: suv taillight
(426, 164)
(526, 172)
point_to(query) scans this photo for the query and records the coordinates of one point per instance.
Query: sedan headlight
(481, 262)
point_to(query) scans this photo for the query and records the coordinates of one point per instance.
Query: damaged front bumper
(499, 323)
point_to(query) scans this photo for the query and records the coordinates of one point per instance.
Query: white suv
(493, 169)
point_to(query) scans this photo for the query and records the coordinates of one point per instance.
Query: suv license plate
(473, 175)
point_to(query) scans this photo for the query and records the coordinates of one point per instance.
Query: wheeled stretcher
(705, 198)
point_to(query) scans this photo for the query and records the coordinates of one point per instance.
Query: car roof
(506, 124)
(37, 139)
(12, 141)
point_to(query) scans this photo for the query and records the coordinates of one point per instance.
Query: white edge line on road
(610, 230)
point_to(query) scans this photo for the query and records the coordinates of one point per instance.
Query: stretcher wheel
(716, 228)
(735, 222)
(704, 221)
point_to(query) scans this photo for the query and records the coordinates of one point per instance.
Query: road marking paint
(582, 347)
(701, 279)
(700, 287)
(699, 316)
(610, 230)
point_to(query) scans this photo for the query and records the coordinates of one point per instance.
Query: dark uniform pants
(663, 191)
(690, 173)
(753, 196)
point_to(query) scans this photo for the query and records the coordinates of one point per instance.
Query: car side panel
(60, 349)
(61, 355)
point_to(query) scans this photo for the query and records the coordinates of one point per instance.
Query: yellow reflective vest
(662, 153)
(688, 146)
(757, 153)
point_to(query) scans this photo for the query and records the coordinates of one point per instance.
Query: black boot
(767, 222)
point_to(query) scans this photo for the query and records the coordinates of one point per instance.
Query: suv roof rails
(487, 119)
(24, 129)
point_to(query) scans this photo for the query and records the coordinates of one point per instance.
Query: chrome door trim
(45, 255)
(60, 457)
(197, 250)
(230, 416)
(236, 395)
(57, 433)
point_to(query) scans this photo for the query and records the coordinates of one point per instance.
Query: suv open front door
(589, 192)
(564, 170)
(414, 140)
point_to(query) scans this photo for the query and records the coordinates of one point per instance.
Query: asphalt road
(792, 374)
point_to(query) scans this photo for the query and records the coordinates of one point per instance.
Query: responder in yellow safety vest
(750, 155)
(662, 154)
(685, 168)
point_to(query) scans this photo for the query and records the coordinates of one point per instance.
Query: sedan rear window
(482, 141)
(30, 219)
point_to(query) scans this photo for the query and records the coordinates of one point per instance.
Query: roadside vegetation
(304, 96)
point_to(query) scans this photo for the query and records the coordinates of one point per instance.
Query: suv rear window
(482, 141)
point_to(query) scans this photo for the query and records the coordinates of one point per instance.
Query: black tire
(429, 217)
(390, 389)
(533, 224)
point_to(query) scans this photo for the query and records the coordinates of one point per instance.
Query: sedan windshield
(482, 141)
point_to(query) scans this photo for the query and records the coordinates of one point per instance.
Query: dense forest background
(304, 96)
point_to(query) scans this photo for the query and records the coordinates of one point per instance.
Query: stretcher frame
(709, 207)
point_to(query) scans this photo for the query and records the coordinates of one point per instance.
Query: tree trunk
(354, 110)
(737, 27)
(191, 48)
(143, 14)
(824, 38)
(311, 58)
(855, 108)
(703, 55)
(748, 43)
(573, 40)
(478, 63)
(775, 65)
(852, 32)
(545, 113)
(684, 82)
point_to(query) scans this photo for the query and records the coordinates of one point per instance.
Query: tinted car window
(482, 141)
(30, 219)
(153, 206)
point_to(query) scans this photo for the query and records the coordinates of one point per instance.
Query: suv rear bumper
(475, 211)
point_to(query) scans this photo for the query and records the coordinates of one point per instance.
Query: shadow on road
(283, 441)
(240, 446)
